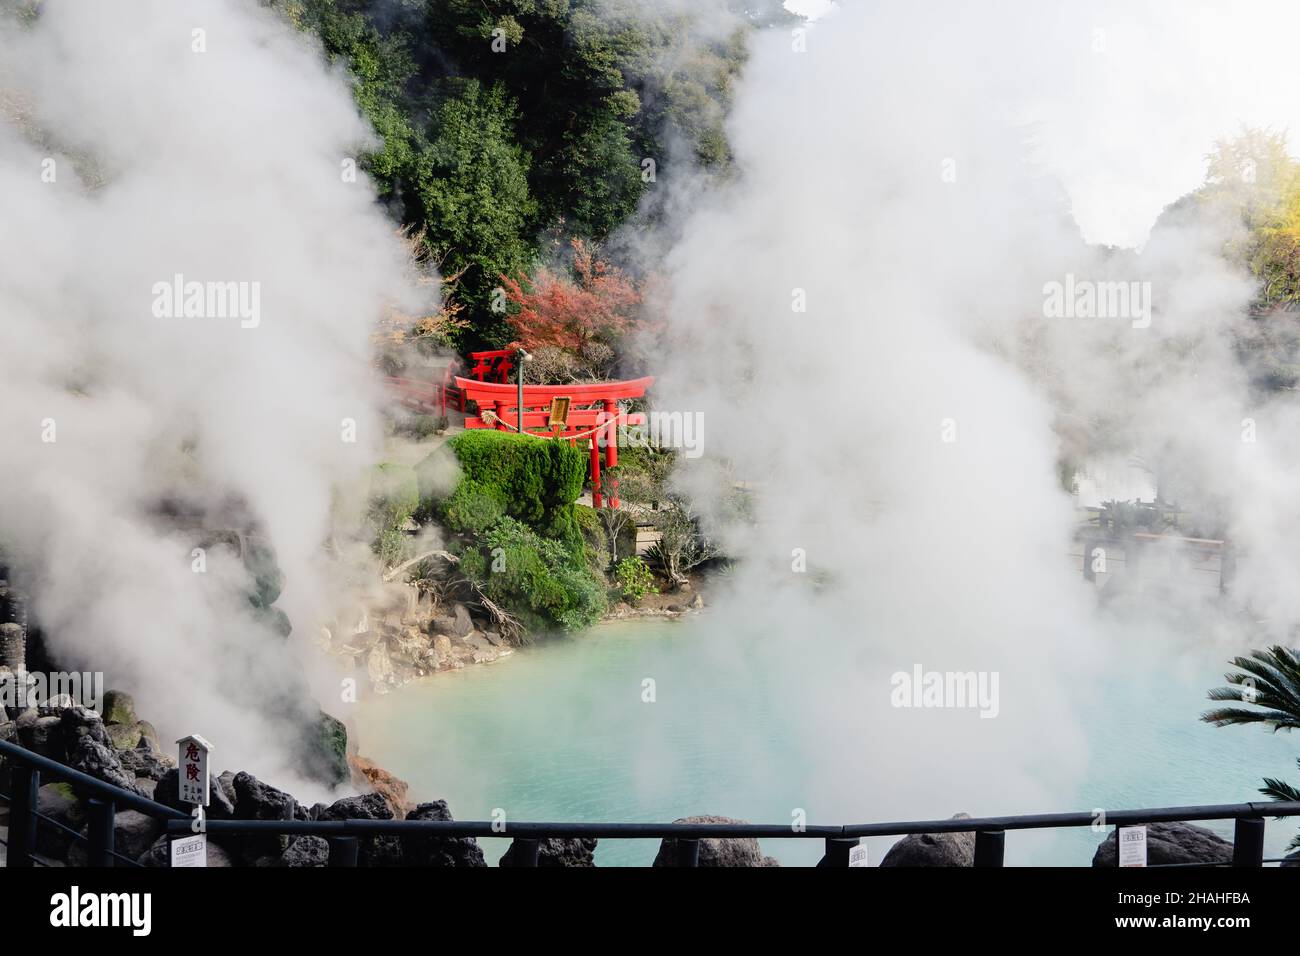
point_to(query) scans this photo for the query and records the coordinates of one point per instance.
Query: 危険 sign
(192, 761)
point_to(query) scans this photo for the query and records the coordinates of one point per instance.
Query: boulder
(420, 850)
(143, 763)
(101, 762)
(462, 625)
(44, 736)
(123, 736)
(1291, 859)
(742, 852)
(1172, 843)
(371, 851)
(934, 849)
(119, 708)
(78, 722)
(305, 851)
(442, 647)
(255, 800)
(133, 834)
(148, 737)
(58, 802)
(557, 851)
(325, 750)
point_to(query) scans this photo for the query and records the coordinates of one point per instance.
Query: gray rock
(1172, 843)
(462, 623)
(143, 763)
(306, 851)
(44, 735)
(255, 800)
(133, 834)
(559, 852)
(439, 851)
(149, 739)
(1291, 859)
(325, 750)
(123, 736)
(742, 852)
(78, 722)
(119, 708)
(934, 849)
(371, 851)
(58, 802)
(100, 762)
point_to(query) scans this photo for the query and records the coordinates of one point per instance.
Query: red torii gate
(593, 412)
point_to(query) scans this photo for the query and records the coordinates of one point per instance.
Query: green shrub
(635, 579)
(539, 579)
(394, 497)
(474, 507)
(538, 479)
(595, 539)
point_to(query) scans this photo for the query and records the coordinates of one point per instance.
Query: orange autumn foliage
(595, 304)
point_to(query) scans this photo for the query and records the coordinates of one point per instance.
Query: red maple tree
(565, 312)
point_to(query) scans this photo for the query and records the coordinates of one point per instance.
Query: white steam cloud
(917, 175)
(140, 141)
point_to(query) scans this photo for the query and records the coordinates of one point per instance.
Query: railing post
(22, 815)
(989, 847)
(1248, 842)
(343, 851)
(688, 852)
(837, 851)
(100, 816)
(523, 852)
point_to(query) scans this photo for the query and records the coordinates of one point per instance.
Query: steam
(918, 176)
(141, 141)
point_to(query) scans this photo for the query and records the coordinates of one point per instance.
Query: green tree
(473, 186)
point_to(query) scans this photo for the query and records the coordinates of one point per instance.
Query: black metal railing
(105, 800)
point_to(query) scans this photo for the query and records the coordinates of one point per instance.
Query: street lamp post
(521, 356)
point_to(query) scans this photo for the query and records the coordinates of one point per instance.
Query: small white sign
(1133, 846)
(858, 855)
(192, 761)
(190, 851)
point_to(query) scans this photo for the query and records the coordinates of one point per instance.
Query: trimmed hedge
(536, 481)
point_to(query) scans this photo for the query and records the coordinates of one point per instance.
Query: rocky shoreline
(409, 637)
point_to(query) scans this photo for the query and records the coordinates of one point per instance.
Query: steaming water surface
(559, 732)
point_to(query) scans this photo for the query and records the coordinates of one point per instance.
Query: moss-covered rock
(119, 708)
(325, 750)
